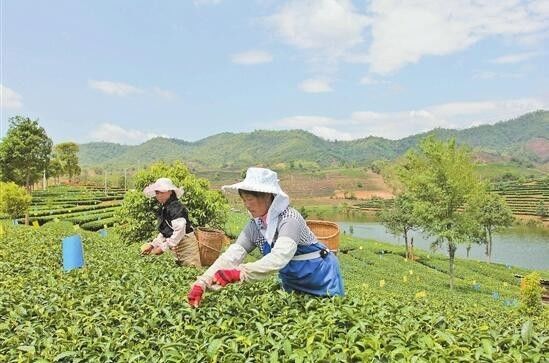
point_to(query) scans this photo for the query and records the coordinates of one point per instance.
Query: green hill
(523, 140)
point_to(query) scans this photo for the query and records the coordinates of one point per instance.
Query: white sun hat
(162, 185)
(257, 180)
(264, 181)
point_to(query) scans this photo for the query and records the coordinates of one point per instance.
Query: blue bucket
(73, 252)
(102, 232)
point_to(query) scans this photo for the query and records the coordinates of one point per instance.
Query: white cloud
(114, 88)
(397, 125)
(331, 26)
(168, 95)
(331, 134)
(9, 98)
(515, 58)
(315, 86)
(405, 31)
(113, 133)
(252, 57)
(390, 34)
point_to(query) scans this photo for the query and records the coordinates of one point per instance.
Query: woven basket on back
(210, 241)
(326, 232)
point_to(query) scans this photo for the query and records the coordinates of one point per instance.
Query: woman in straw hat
(175, 230)
(287, 244)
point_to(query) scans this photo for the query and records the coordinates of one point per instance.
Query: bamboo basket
(210, 241)
(326, 232)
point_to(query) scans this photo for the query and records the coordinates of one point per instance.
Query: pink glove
(224, 277)
(195, 295)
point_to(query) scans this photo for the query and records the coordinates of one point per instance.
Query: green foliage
(206, 207)
(24, 152)
(303, 212)
(122, 308)
(541, 210)
(492, 213)
(67, 154)
(530, 294)
(14, 200)
(399, 218)
(440, 183)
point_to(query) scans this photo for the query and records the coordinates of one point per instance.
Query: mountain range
(523, 139)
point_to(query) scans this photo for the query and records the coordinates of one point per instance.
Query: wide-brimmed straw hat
(257, 180)
(162, 185)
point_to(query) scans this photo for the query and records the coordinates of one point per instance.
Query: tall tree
(24, 152)
(400, 219)
(67, 153)
(440, 182)
(492, 213)
(55, 169)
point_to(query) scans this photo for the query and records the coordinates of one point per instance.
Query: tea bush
(125, 308)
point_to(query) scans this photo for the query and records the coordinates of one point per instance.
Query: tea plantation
(126, 308)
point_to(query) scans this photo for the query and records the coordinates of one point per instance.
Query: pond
(520, 246)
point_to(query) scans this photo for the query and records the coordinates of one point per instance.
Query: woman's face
(162, 197)
(257, 206)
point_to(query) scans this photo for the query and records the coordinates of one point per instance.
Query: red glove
(224, 277)
(195, 295)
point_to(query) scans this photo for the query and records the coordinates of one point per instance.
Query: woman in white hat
(175, 230)
(287, 244)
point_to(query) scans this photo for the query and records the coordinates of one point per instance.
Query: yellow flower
(404, 278)
(381, 283)
(411, 272)
(35, 224)
(421, 294)
(360, 248)
(505, 284)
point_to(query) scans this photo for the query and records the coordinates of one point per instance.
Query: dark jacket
(173, 209)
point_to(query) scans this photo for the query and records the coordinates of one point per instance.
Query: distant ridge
(524, 138)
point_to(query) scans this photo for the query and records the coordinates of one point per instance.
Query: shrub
(530, 294)
(14, 200)
(136, 215)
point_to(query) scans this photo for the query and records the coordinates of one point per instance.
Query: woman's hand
(146, 249)
(157, 251)
(195, 295)
(225, 277)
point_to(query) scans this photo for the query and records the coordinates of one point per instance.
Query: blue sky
(126, 71)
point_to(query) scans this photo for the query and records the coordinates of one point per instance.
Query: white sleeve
(178, 226)
(231, 258)
(158, 240)
(281, 254)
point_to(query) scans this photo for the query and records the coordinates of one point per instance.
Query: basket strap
(205, 245)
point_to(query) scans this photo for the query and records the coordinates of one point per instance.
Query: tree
(492, 213)
(67, 153)
(55, 169)
(399, 219)
(439, 179)
(136, 215)
(24, 152)
(14, 200)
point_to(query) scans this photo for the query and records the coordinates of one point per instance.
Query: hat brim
(243, 185)
(150, 191)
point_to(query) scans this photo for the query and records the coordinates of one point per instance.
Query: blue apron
(318, 276)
